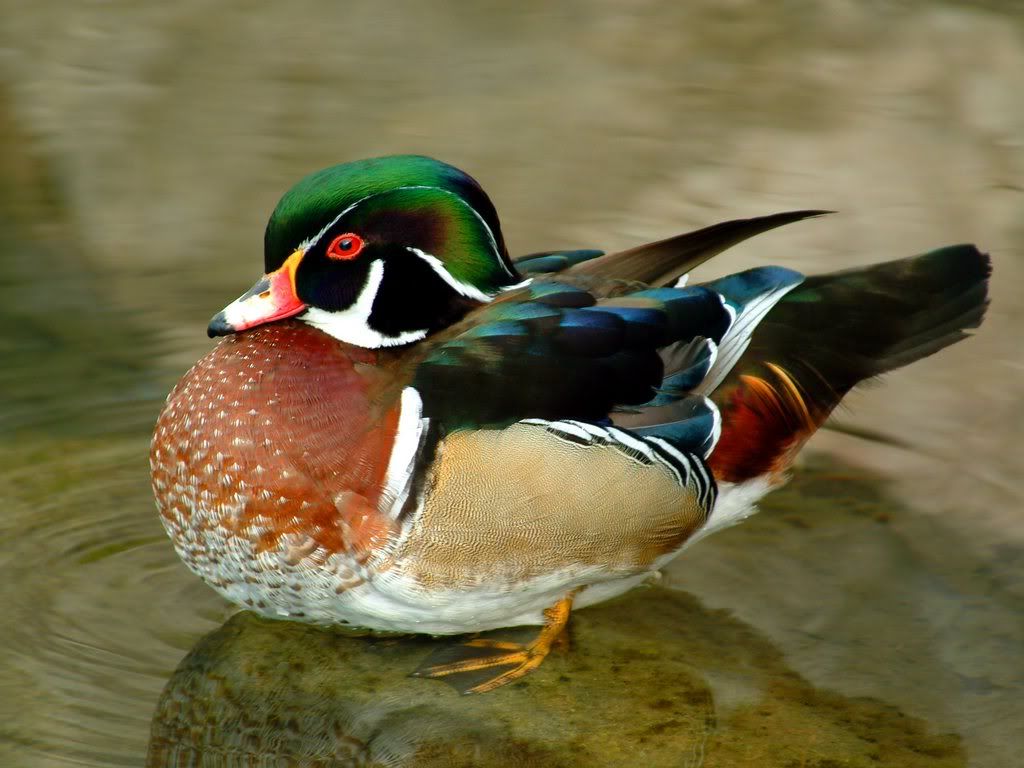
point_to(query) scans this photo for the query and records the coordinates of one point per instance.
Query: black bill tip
(219, 326)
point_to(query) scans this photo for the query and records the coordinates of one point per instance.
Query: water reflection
(104, 613)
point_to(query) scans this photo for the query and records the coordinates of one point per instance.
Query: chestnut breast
(280, 430)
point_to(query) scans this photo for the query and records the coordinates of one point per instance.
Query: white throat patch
(352, 325)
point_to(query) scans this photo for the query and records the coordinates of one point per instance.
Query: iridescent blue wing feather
(556, 351)
(549, 262)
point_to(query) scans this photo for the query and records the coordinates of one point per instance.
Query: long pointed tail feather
(663, 262)
(828, 334)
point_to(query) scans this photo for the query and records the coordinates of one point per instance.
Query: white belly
(295, 582)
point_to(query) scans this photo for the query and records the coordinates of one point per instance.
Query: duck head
(377, 253)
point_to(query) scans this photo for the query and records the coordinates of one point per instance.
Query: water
(873, 614)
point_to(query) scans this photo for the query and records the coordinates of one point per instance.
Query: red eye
(345, 247)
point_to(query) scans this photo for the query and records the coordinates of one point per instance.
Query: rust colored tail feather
(830, 333)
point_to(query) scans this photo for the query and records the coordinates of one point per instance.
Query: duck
(403, 429)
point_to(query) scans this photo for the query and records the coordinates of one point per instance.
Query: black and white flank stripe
(689, 470)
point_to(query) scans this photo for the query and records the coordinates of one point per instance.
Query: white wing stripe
(737, 338)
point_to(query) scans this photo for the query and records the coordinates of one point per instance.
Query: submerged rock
(652, 679)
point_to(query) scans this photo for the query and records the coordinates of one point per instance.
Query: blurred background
(144, 144)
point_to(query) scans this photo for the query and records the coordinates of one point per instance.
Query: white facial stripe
(352, 325)
(464, 289)
(310, 242)
(408, 440)
(483, 223)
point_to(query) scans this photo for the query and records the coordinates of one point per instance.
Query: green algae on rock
(643, 693)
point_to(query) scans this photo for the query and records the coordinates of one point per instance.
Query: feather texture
(471, 450)
(553, 351)
(828, 334)
(553, 261)
(665, 261)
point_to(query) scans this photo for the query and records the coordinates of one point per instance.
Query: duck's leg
(481, 664)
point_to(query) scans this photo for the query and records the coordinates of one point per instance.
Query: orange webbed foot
(481, 664)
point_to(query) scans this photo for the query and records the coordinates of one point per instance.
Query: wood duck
(403, 429)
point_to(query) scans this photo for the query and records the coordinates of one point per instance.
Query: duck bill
(271, 298)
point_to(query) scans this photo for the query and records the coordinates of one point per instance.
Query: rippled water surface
(872, 614)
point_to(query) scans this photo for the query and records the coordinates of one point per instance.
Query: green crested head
(378, 252)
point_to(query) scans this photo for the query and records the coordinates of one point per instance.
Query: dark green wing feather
(556, 351)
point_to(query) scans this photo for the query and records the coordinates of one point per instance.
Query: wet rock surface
(633, 690)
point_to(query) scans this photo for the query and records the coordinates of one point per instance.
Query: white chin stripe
(352, 325)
